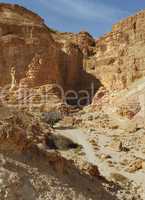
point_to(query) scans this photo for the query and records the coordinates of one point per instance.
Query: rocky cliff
(119, 55)
(117, 58)
(44, 56)
(26, 44)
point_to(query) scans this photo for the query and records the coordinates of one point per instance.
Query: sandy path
(81, 137)
(78, 136)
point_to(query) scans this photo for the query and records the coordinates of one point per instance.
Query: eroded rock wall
(27, 45)
(119, 55)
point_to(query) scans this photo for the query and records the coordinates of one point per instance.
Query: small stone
(135, 166)
(116, 146)
(124, 162)
(105, 156)
(96, 148)
(90, 117)
(119, 178)
(93, 171)
(93, 142)
(114, 126)
(91, 129)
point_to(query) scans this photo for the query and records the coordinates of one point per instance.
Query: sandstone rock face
(119, 55)
(26, 44)
(19, 129)
(43, 56)
(83, 39)
(117, 58)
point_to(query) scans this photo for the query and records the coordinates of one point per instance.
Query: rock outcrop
(44, 56)
(27, 45)
(82, 39)
(29, 169)
(119, 55)
(117, 58)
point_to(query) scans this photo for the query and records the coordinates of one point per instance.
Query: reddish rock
(27, 45)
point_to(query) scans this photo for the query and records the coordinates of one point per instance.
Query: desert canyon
(93, 89)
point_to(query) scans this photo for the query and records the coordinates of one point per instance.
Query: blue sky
(94, 16)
